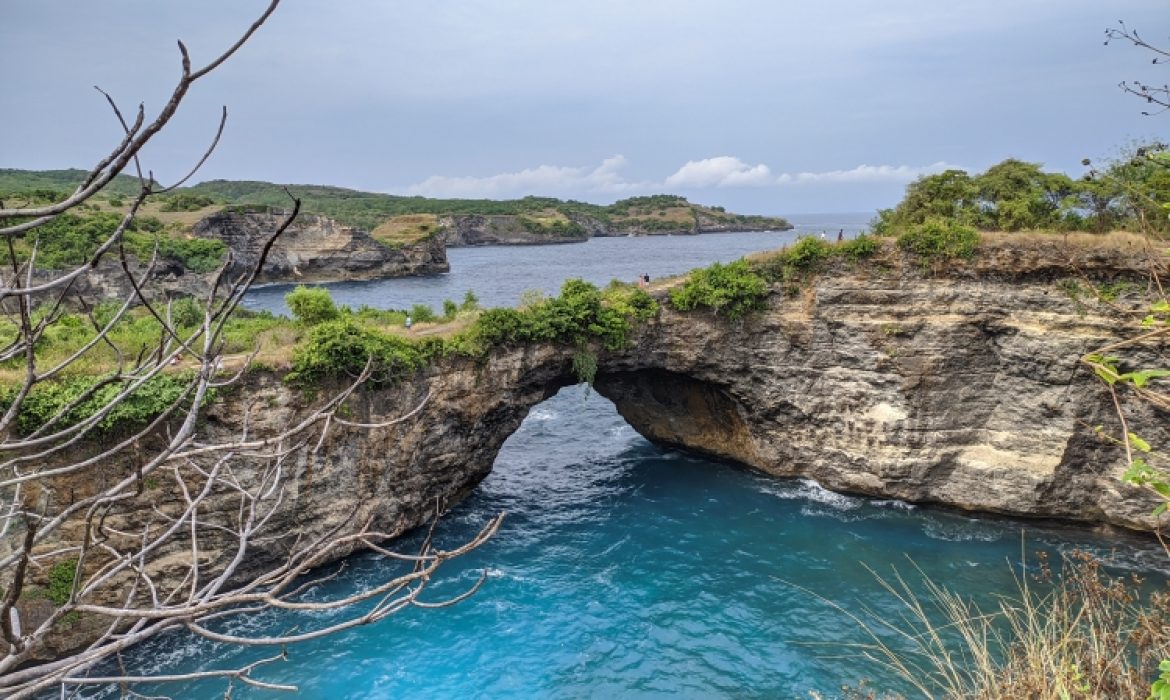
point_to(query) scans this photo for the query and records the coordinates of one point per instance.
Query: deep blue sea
(628, 571)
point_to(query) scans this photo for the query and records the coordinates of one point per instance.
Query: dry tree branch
(167, 522)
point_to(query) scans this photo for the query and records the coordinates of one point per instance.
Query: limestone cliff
(956, 385)
(317, 249)
(506, 229)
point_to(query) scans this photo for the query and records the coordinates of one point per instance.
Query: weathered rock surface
(317, 249)
(957, 386)
(463, 230)
(506, 229)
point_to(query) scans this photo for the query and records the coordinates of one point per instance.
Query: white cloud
(722, 171)
(607, 178)
(543, 179)
(865, 174)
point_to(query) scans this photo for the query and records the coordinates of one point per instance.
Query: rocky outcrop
(957, 385)
(505, 229)
(317, 249)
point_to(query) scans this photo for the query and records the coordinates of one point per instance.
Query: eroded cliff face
(958, 386)
(317, 249)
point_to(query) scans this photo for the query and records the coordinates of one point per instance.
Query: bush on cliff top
(940, 239)
(342, 347)
(581, 312)
(735, 289)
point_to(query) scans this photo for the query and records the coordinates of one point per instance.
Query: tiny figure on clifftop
(409, 322)
(841, 235)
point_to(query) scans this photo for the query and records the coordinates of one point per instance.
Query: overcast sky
(765, 106)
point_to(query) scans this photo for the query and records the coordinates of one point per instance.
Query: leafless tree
(71, 502)
(1155, 95)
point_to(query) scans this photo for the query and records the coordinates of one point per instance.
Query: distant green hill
(369, 209)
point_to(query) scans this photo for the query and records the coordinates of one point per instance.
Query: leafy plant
(734, 289)
(939, 239)
(311, 305)
(342, 347)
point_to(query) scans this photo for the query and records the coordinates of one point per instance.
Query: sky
(763, 106)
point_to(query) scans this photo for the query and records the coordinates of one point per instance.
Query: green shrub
(450, 308)
(186, 312)
(856, 249)
(807, 254)
(342, 347)
(734, 288)
(470, 301)
(422, 313)
(311, 305)
(184, 201)
(940, 239)
(579, 314)
(139, 408)
(61, 576)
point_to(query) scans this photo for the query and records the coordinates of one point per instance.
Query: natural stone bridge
(960, 387)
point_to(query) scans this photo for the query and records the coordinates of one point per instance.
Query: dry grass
(408, 228)
(182, 220)
(1117, 240)
(1079, 635)
(681, 215)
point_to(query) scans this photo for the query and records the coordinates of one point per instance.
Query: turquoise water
(626, 571)
(623, 570)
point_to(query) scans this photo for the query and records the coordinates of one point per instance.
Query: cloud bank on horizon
(607, 181)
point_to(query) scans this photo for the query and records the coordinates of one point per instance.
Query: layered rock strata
(317, 249)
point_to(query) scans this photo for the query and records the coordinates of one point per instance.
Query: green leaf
(1160, 307)
(1138, 442)
(1143, 377)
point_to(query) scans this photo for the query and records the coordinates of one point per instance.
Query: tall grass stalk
(1077, 634)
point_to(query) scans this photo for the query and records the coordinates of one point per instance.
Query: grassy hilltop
(370, 210)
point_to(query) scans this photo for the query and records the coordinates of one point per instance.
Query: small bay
(624, 570)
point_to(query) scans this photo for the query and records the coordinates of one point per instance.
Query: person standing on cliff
(840, 235)
(409, 322)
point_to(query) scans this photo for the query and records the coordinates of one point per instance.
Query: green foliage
(146, 403)
(71, 239)
(342, 347)
(185, 201)
(579, 314)
(1010, 196)
(61, 576)
(450, 308)
(734, 288)
(197, 254)
(558, 228)
(585, 366)
(470, 301)
(422, 313)
(807, 253)
(186, 312)
(939, 239)
(859, 248)
(655, 201)
(311, 305)
(1160, 690)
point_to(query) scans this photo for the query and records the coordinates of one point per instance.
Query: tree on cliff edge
(123, 511)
